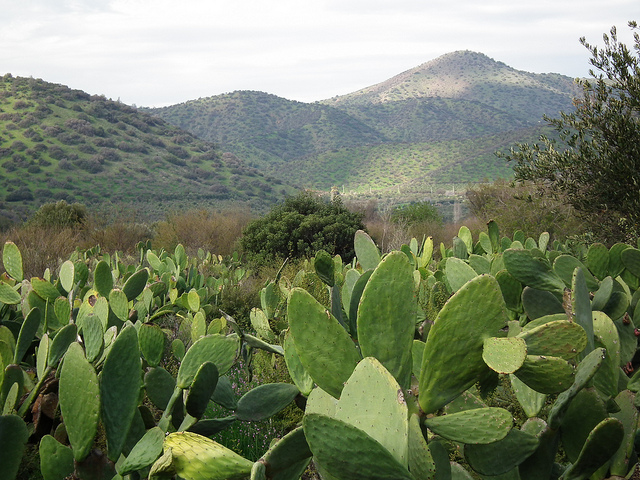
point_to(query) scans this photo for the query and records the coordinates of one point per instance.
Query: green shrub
(301, 226)
(413, 213)
(59, 215)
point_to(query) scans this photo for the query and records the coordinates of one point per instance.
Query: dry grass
(217, 232)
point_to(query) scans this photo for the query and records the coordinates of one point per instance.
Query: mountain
(62, 144)
(440, 122)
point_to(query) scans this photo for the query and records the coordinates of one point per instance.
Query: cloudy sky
(162, 52)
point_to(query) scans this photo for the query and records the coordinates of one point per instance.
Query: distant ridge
(440, 122)
(62, 144)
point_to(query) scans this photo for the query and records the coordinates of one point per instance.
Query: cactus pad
(504, 355)
(458, 335)
(194, 457)
(324, 347)
(387, 316)
(347, 453)
(479, 425)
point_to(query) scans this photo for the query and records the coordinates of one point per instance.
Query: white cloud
(159, 52)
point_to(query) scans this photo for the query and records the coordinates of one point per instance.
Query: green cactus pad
(64, 337)
(347, 453)
(600, 446)
(581, 306)
(565, 265)
(93, 335)
(45, 289)
(530, 400)
(458, 273)
(606, 334)
(546, 374)
(265, 400)
(324, 267)
(27, 333)
(585, 411)
(79, 400)
(586, 370)
(269, 299)
(628, 416)
(531, 270)
(321, 402)
(421, 464)
(598, 260)
(194, 457)
(298, 374)
(224, 394)
(502, 456)
(388, 304)
(366, 251)
(631, 260)
(260, 324)
(324, 347)
(159, 385)
(538, 303)
(151, 340)
(373, 401)
(615, 261)
(459, 249)
(417, 350)
(203, 385)
(356, 294)
(102, 278)
(120, 383)
(561, 338)
(135, 284)
(144, 453)
(504, 355)
(12, 261)
(479, 425)
(511, 290)
(457, 335)
(540, 464)
(288, 458)
(8, 295)
(13, 438)
(219, 349)
(56, 459)
(119, 304)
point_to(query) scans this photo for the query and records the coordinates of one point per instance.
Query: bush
(59, 215)
(301, 226)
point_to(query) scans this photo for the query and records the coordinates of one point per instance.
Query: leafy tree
(597, 167)
(299, 227)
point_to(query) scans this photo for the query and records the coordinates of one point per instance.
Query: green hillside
(63, 144)
(440, 122)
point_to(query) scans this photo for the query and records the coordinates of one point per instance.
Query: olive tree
(596, 163)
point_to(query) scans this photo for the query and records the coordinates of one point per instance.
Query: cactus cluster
(85, 366)
(401, 368)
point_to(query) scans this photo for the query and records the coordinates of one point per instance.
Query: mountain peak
(462, 74)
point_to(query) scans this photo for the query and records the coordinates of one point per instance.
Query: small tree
(301, 226)
(598, 167)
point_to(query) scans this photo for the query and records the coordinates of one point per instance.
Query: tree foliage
(299, 227)
(597, 164)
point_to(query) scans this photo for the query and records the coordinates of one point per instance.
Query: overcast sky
(162, 52)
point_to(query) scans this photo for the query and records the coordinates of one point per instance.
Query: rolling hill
(62, 144)
(440, 122)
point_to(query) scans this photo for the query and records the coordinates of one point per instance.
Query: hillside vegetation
(62, 144)
(438, 123)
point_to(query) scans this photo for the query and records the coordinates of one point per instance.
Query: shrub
(59, 215)
(301, 226)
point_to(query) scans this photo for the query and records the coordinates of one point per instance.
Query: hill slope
(57, 143)
(439, 122)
